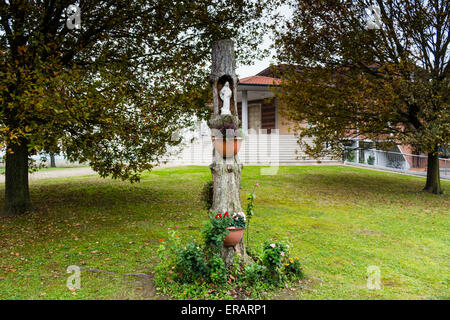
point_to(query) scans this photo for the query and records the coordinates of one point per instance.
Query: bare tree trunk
(17, 196)
(433, 184)
(226, 173)
(226, 198)
(227, 181)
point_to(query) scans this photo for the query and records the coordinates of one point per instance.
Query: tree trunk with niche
(226, 173)
(17, 196)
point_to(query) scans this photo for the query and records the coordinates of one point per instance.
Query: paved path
(73, 172)
(63, 172)
(413, 173)
(69, 172)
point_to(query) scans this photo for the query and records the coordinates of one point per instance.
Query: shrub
(190, 263)
(371, 160)
(167, 256)
(293, 268)
(253, 273)
(218, 271)
(273, 254)
(215, 231)
(195, 271)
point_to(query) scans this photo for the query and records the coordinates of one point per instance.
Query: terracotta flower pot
(233, 237)
(227, 148)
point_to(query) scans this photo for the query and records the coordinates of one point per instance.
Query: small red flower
(218, 216)
(226, 214)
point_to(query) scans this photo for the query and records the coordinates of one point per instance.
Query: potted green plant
(226, 135)
(235, 227)
(349, 155)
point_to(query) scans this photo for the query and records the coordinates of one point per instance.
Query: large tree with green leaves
(110, 89)
(369, 70)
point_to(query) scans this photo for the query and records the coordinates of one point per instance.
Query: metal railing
(394, 161)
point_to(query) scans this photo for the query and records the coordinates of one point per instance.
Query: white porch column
(244, 111)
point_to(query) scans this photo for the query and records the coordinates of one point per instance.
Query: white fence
(394, 161)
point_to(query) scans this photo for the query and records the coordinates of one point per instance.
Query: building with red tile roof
(260, 80)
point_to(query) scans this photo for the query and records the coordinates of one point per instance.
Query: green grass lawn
(340, 219)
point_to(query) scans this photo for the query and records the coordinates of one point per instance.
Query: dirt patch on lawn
(292, 293)
(136, 286)
(144, 287)
(368, 232)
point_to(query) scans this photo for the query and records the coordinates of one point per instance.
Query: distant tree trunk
(433, 184)
(52, 160)
(226, 174)
(17, 196)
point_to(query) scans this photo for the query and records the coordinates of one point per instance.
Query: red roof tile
(261, 80)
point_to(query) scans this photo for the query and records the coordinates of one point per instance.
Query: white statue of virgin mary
(225, 95)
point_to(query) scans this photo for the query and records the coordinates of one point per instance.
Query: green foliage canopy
(112, 92)
(347, 80)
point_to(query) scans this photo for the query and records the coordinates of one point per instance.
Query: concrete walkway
(63, 172)
(412, 173)
(72, 172)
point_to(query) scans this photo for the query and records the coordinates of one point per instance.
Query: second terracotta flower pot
(227, 148)
(233, 237)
